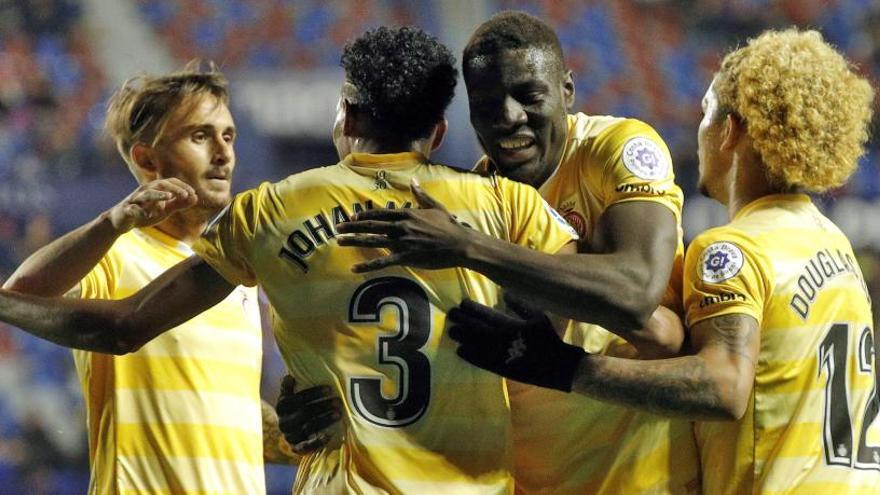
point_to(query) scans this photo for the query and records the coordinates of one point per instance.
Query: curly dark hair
(511, 30)
(405, 80)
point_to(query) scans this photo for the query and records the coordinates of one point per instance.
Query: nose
(223, 151)
(512, 112)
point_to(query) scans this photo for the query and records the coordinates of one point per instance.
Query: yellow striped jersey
(810, 425)
(566, 443)
(182, 414)
(418, 419)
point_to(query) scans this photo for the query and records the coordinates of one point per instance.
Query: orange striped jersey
(418, 419)
(810, 426)
(566, 443)
(182, 414)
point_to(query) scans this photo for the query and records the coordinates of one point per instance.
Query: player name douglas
(822, 267)
(319, 228)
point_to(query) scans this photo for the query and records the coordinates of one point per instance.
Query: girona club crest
(577, 222)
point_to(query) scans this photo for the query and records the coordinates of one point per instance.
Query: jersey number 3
(837, 428)
(402, 350)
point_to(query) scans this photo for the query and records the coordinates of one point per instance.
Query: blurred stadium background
(59, 59)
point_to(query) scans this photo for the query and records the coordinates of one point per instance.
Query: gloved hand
(304, 416)
(524, 347)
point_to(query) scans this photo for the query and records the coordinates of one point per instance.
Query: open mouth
(517, 148)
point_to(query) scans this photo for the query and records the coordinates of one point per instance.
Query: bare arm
(124, 325)
(715, 383)
(618, 286)
(60, 265)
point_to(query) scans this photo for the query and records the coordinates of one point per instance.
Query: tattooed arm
(715, 383)
(275, 448)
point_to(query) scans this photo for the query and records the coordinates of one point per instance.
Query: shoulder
(721, 252)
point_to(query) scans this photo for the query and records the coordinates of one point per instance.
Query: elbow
(107, 335)
(731, 409)
(733, 398)
(20, 284)
(635, 308)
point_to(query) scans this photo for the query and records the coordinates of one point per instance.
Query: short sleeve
(637, 167)
(102, 280)
(533, 222)
(724, 274)
(227, 243)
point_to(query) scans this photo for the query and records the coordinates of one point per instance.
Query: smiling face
(519, 101)
(197, 148)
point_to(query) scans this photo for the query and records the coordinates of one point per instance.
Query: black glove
(303, 415)
(524, 348)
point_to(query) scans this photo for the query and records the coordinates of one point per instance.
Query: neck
(747, 182)
(185, 226)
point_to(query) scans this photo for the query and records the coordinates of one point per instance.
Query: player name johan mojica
(317, 229)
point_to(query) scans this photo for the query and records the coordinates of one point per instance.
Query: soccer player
(183, 413)
(416, 419)
(612, 179)
(777, 308)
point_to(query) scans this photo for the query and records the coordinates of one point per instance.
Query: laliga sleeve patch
(720, 261)
(561, 221)
(644, 158)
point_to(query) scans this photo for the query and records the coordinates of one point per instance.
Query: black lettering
(339, 215)
(408, 204)
(807, 289)
(816, 283)
(298, 247)
(390, 205)
(837, 267)
(800, 305)
(322, 226)
(827, 269)
(358, 208)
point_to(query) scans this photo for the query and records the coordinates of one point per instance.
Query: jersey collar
(769, 200)
(385, 160)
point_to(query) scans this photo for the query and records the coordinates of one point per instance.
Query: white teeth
(515, 143)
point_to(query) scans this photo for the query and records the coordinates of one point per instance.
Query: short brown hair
(139, 110)
(805, 107)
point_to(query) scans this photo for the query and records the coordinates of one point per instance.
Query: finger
(423, 199)
(521, 307)
(366, 240)
(489, 316)
(290, 402)
(311, 445)
(174, 186)
(288, 384)
(181, 184)
(297, 422)
(369, 227)
(321, 422)
(383, 214)
(151, 196)
(306, 427)
(377, 263)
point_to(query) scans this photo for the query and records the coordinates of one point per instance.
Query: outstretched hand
(523, 347)
(152, 203)
(304, 416)
(426, 237)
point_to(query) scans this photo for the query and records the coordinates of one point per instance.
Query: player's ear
(568, 89)
(439, 133)
(734, 129)
(349, 118)
(143, 159)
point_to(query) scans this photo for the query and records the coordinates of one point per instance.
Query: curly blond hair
(805, 107)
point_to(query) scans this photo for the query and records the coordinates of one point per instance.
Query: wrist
(569, 361)
(107, 222)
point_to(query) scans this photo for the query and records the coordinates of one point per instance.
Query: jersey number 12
(837, 427)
